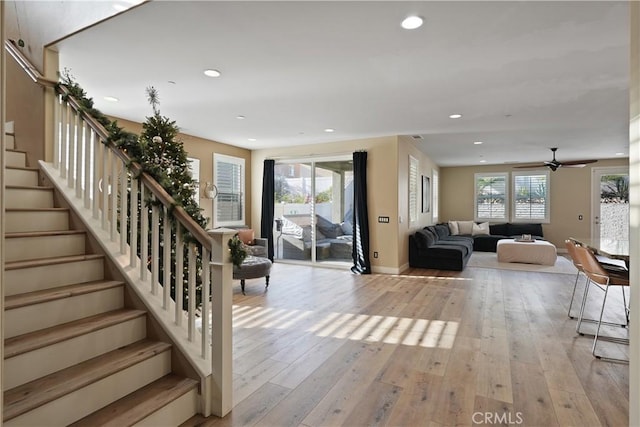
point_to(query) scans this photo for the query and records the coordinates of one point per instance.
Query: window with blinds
(530, 196)
(413, 189)
(228, 177)
(491, 197)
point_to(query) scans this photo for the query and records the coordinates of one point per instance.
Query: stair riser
(24, 222)
(50, 276)
(26, 198)
(52, 313)
(37, 247)
(175, 413)
(24, 177)
(88, 399)
(10, 142)
(44, 361)
(16, 158)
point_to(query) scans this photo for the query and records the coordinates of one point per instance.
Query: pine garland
(160, 154)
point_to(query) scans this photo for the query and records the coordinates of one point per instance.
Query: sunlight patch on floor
(357, 327)
(443, 278)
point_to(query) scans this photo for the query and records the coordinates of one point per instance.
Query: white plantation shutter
(229, 179)
(435, 194)
(531, 196)
(491, 197)
(413, 189)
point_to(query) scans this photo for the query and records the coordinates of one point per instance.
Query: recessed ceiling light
(251, 139)
(477, 142)
(212, 73)
(412, 22)
(483, 161)
(240, 117)
(171, 82)
(329, 130)
(111, 99)
(455, 116)
(619, 154)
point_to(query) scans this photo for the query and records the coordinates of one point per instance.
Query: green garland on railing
(161, 155)
(165, 160)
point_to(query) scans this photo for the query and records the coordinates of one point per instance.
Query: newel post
(221, 322)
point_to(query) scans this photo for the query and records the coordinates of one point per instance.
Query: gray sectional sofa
(436, 247)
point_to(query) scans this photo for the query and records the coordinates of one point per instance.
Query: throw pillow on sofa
(465, 227)
(246, 235)
(453, 228)
(328, 228)
(480, 229)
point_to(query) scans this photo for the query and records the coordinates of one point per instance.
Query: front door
(610, 200)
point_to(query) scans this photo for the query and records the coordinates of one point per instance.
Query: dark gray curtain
(361, 264)
(268, 192)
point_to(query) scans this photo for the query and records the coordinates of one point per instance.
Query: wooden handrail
(27, 67)
(158, 191)
(161, 194)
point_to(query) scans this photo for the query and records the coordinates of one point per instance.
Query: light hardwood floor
(324, 347)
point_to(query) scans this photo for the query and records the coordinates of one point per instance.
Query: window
(530, 196)
(434, 193)
(413, 189)
(491, 199)
(228, 177)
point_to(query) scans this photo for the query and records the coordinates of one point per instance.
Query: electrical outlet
(375, 254)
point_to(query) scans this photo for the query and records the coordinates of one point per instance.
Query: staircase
(74, 351)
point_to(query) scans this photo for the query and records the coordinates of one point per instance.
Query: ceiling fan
(555, 164)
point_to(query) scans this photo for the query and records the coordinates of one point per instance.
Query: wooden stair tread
(36, 209)
(140, 404)
(15, 150)
(20, 344)
(36, 393)
(19, 234)
(25, 168)
(29, 187)
(14, 265)
(61, 292)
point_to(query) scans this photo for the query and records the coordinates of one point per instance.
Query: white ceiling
(526, 76)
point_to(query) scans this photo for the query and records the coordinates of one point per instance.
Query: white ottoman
(536, 252)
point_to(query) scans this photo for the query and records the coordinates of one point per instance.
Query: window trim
(547, 213)
(238, 161)
(477, 176)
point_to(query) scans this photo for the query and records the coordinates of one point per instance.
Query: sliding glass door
(313, 210)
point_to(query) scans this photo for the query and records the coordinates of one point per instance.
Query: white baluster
(133, 224)
(166, 254)
(191, 310)
(179, 274)
(144, 232)
(206, 283)
(124, 182)
(155, 250)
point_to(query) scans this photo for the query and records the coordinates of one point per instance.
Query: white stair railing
(139, 225)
